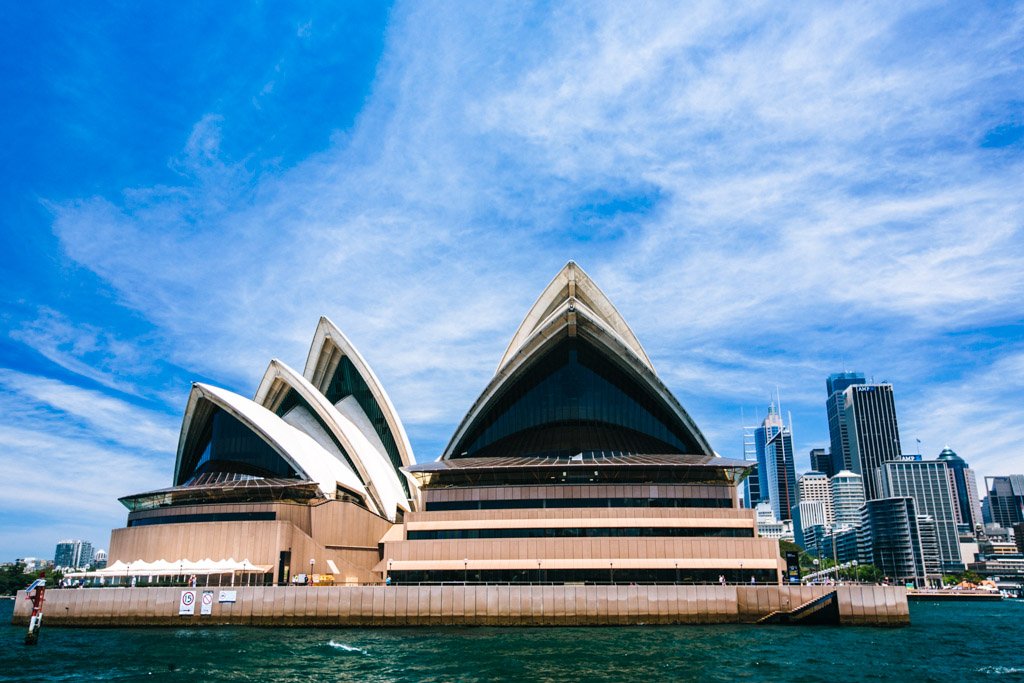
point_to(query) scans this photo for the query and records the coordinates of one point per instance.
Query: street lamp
(465, 571)
(611, 571)
(312, 565)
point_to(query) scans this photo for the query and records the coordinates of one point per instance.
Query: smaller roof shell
(300, 451)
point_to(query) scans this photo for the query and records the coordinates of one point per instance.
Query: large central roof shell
(572, 306)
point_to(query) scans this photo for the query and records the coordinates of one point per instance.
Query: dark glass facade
(586, 576)
(204, 517)
(555, 503)
(346, 382)
(580, 532)
(575, 399)
(227, 445)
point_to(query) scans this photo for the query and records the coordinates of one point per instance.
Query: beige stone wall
(338, 531)
(466, 605)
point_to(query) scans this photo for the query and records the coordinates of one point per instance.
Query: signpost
(227, 596)
(792, 568)
(206, 605)
(187, 603)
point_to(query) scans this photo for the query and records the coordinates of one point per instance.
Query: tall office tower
(85, 554)
(807, 514)
(751, 485)
(73, 554)
(777, 473)
(847, 491)
(870, 413)
(821, 461)
(814, 486)
(965, 487)
(931, 553)
(66, 554)
(838, 431)
(1006, 499)
(927, 482)
(889, 538)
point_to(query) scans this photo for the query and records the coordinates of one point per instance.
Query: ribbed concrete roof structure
(574, 343)
(306, 458)
(343, 430)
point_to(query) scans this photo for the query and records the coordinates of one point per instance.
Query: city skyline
(765, 210)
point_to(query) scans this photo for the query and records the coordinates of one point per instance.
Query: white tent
(176, 568)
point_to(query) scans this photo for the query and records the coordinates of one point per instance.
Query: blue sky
(768, 193)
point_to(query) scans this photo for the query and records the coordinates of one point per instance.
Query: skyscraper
(73, 554)
(838, 431)
(814, 487)
(776, 470)
(821, 461)
(890, 539)
(965, 488)
(847, 491)
(927, 482)
(807, 514)
(870, 414)
(1006, 499)
(751, 485)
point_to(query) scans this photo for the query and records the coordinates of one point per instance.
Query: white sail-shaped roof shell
(308, 458)
(558, 314)
(572, 283)
(329, 346)
(349, 426)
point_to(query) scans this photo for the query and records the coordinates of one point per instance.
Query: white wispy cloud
(812, 186)
(68, 453)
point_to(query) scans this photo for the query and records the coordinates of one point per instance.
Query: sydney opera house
(576, 464)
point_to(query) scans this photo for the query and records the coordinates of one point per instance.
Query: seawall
(492, 605)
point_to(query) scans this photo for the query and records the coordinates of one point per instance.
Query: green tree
(13, 578)
(869, 573)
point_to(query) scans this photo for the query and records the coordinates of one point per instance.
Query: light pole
(465, 571)
(312, 566)
(538, 571)
(387, 579)
(611, 572)
(855, 571)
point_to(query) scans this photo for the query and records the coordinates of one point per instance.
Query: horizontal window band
(579, 532)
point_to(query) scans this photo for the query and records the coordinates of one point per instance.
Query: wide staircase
(822, 610)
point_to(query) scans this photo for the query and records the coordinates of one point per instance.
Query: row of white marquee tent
(177, 568)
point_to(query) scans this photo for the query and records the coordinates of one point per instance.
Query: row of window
(586, 576)
(205, 517)
(438, 506)
(580, 532)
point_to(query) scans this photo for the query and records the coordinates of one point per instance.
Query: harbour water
(945, 642)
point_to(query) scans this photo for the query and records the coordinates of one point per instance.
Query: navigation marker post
(35, 593)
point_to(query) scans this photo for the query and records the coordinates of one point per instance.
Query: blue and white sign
(227, 596)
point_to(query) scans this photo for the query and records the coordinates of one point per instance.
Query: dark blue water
(946, 642)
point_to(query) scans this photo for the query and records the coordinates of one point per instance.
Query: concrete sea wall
(494, 605)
